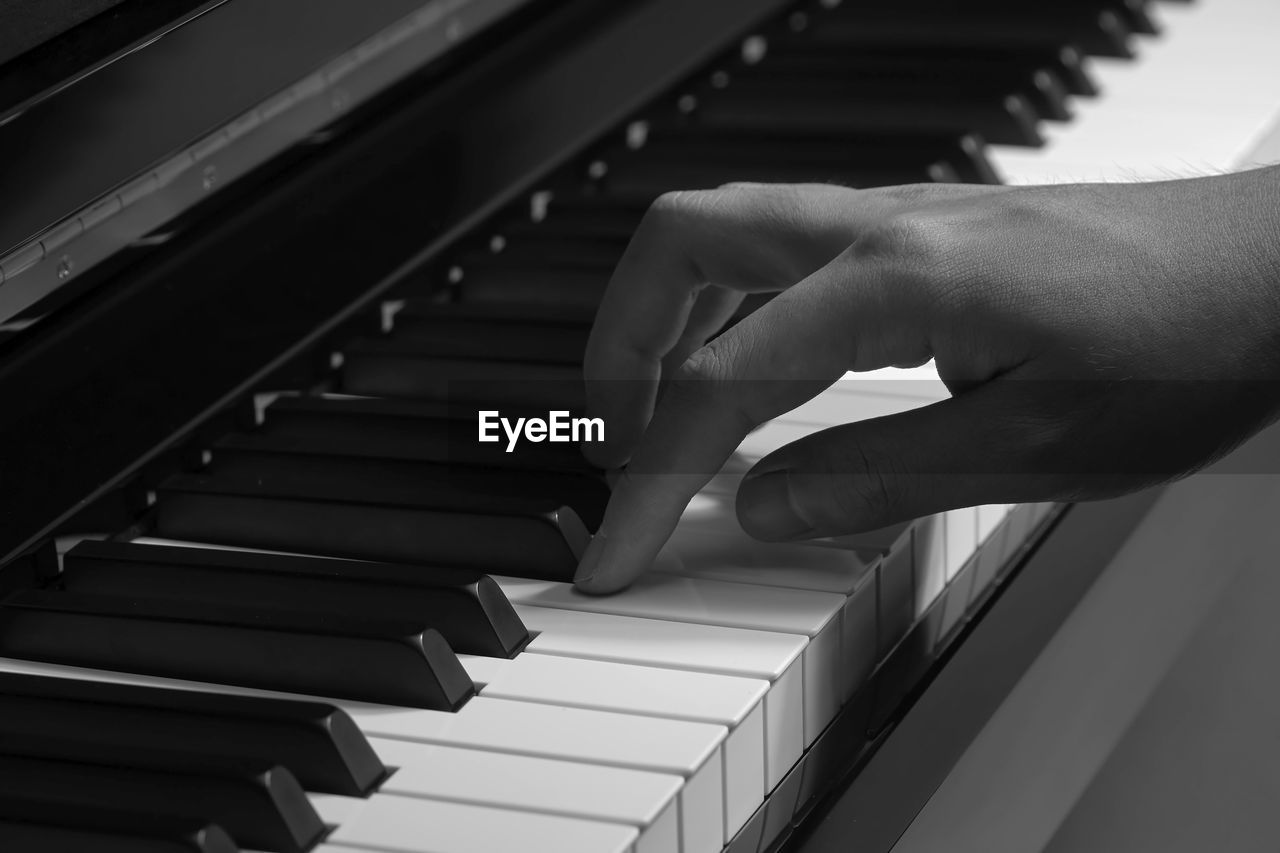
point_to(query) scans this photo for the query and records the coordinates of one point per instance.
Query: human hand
(1095, 338)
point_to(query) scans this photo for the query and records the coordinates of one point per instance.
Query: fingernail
(590, 561)
(765, 508)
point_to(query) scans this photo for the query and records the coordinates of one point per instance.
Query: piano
(260, 266)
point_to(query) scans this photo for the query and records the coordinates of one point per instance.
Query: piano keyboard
(348, 626)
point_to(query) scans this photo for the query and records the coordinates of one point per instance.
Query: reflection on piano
(262, 588)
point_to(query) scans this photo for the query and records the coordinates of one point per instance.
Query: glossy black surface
(411, 431)
(65, 151)
(47, 45)
(266, 810)
(52, 828)
(394, 662)
(518, 537)
(318, 743)
(467, 608)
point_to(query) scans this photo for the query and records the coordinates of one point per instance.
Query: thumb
(965, 451)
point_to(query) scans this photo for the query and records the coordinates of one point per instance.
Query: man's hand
(1095, 338)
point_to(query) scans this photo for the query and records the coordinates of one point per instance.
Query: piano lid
(90, 167)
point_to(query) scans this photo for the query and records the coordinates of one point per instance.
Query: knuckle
(669, 204)
(675, 207)
(913, 238)
(705, 382)
(704, 367)
(693, 385)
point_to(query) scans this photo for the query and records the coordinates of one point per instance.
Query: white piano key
(392, 823)
(701, 807)
(739, 558)
(705, 602)
(657, 642)
(772, 436)
(859, 627)
(712, 512)
(731, 701)
(826, 569)
(896, 595)
(663, 834)
(989, 517)
(930, 561)
(641, 799)
(710, 523)
(705, 648)
(848, 402)
(882, 539)
(961, 526)
(690, 750)
(921, 382)
(816, 615)
(610, 686)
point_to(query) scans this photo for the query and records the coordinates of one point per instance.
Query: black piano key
(1009, 119)
(387, 367)
(501, 282)
(29, 826)
(267, 810)
(567, 317)
(571, 214)
(318, 743)
(262, 465)
(1101, 33)
(1137, 16)
(402, 429)
(399, 663)
(525, 543)
(962, 73)
(1064, 61)
(556, 250)
(444, 333)
(467, 608)
(910, 156)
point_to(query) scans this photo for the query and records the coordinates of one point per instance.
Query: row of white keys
(816, 616)
(545, 785)
(730, 701)
(674, 747)
(1199, 97)
(649, 760)
(737, 558)
(776, 658)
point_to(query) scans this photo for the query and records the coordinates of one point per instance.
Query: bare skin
(1095, 339)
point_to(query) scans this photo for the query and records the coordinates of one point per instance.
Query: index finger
(778, 358)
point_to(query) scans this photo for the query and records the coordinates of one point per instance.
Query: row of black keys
(400, 482)
(126, 769)
(860, 95)
(86, 765)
